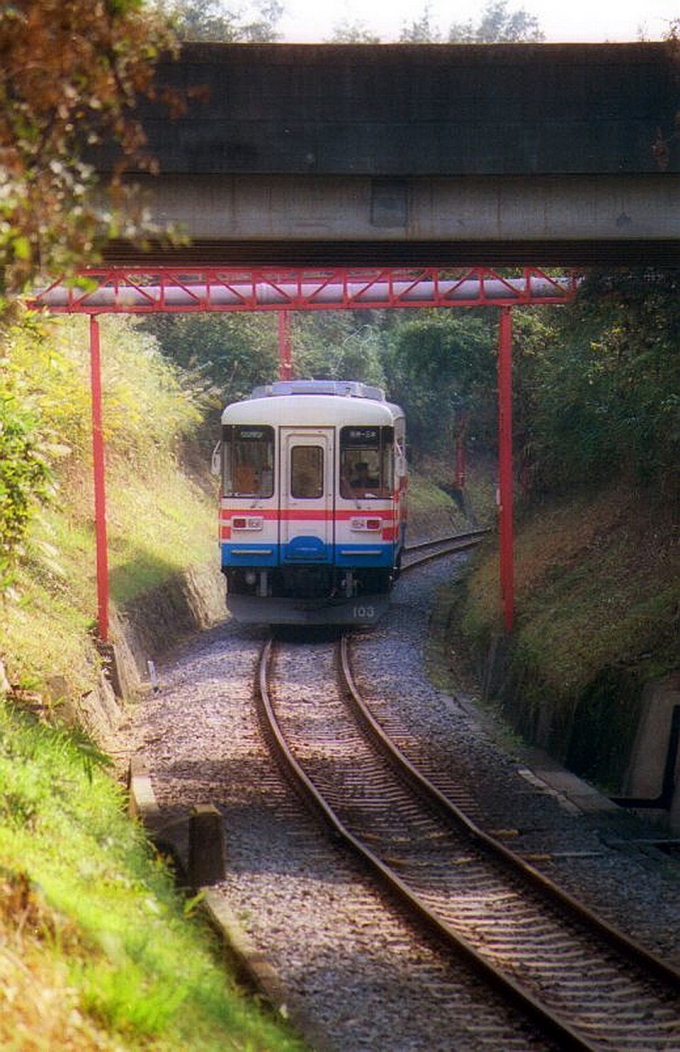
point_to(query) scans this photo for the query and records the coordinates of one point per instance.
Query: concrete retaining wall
(618, 734)
(141, 631)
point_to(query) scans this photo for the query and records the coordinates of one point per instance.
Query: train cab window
(248, 461)
(306, 472)
(366, 461)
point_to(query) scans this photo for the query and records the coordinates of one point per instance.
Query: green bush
(601, 390)
(24, 479)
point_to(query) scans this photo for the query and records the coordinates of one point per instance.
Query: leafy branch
(70, 77)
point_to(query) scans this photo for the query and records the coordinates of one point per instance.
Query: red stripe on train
(321, 515)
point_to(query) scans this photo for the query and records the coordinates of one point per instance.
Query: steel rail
(459, 542)
(480, 532)
(619, 941)
(551, 1024)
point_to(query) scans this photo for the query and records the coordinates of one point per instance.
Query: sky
(560, 20)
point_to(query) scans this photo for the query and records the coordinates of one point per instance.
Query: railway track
(583, 984)
(425, 551)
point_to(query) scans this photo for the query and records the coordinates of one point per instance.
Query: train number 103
(363, 613)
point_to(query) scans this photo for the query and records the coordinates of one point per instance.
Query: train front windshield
(366, 461)
(248, 461)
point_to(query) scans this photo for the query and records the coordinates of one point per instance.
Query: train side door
(307, 501)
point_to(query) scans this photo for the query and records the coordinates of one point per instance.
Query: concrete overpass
(430, 154)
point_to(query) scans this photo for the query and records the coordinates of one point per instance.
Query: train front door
(307, 501)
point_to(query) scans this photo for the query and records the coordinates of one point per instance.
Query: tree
(498, 25)
(224, 354)
(210, 20)
(601, 386)
(71, 74)
(347, 32)
(442, 364)
(420, 30)
(339, 345)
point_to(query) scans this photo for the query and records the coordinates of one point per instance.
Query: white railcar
(312, 508)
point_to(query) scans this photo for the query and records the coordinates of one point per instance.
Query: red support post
(506, 526)
(461, 457)
(99, 483)
(285, 353)
(461, 468)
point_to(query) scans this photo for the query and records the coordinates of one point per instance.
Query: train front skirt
(364, 610)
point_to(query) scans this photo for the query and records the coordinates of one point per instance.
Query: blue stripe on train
(358, 555)
(309, 551)
(235, 554)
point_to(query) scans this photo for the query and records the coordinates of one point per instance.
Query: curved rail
(636, 953)
(549, 1023)
(479, 533)
(441, 546)
(552, 1021)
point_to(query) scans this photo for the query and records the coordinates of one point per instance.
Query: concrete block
(648, 758)
(207, 849)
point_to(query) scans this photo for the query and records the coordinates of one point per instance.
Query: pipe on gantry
(327, 292)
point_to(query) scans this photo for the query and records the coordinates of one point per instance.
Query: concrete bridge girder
(499, 155)
(422, 208)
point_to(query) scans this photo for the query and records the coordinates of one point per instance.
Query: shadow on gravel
(306, 633)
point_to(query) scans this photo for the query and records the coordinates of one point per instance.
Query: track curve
(585, 985)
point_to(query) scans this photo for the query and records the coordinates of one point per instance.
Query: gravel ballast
(305, 905)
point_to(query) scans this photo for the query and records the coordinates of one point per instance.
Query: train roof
(341, 388)
(314, 403)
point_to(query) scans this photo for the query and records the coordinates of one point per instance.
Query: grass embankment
(159, 520)
(597, 599)
(97, 951)
(435, 505)
(159, 523)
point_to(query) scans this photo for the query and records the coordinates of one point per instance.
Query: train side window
(306, 472)
(387, 468)
(366, 461)
(248, 461)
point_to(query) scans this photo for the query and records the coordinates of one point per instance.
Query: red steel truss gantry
(121, 290)
(168, 289)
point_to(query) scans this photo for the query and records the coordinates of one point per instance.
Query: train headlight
(247, 522)
(365, 524)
